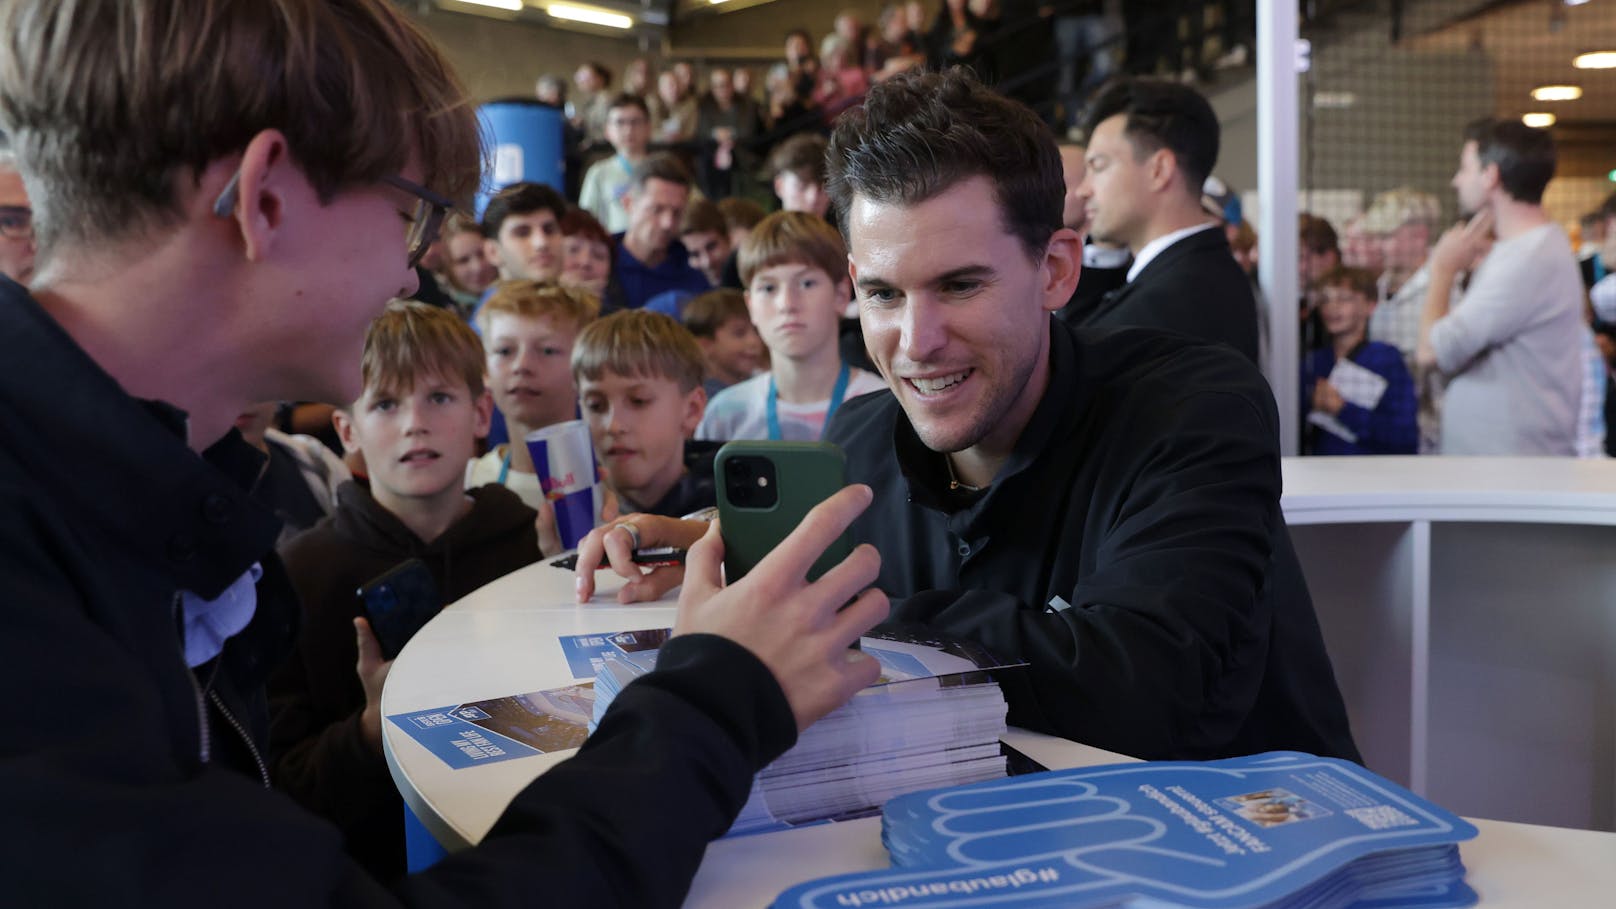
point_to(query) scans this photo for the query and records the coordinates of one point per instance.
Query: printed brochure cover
(1277, 829)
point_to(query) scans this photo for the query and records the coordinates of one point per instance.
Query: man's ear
(266, 180)
(1062, 266)
(343, 422)
(1161, 169)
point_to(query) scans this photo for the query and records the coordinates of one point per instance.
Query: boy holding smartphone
(416, 423)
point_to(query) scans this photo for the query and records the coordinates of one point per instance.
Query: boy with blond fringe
(794, 267)
(416, 423)
(639, 377)
(528, 329)
(209, 179)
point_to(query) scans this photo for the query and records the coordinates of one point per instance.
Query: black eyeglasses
(16, 222)
(425, 218)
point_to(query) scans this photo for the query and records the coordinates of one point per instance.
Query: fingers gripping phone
(399, 602)
(765, 489)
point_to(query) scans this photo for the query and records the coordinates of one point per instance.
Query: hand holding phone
(399, 602)
(765, 490)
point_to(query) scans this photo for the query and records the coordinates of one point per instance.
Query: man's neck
(632, 157)
(191, 363)
(1346, 342)
(426, 517)
(1512, 218)
(977, 465)
(1171, 219)
(650, 257)
(806, 380)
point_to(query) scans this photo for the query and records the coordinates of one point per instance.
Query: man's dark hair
(628, 99)
(803, 155)
(1524, 155)
(1162, 114)
(1316, 235)
(599, 69)
(520, 199)
(920, 133)
(702, 216)
(1360, 281)
(660, 166)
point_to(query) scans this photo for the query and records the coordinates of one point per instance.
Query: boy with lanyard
(628, 129)
(1386, 426)
(794, 267)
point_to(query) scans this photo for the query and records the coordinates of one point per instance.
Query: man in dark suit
(1151, 146)
(1105, 267)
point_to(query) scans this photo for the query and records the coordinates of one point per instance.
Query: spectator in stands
(842, 81)
(129, 548)
(1104, 505)
(522, 232)
(1105, 267)
(639, 79)
(678, 123)
(649, 259)
(528, 330)
(802, 67)
(1511, 349)
(417, 423)
(639, 382)
(1407, 220)
(1318, 252)
(1371, 408)
(727, 123)
(1152, 145)
(794, 267)
(706, 238)
(628, 129)
(586, 261)
(16, 223)
(897, 47)
(959, 37)
(724, 331)
(467, 271)
(1089, 45)
(797, 168)
(592, 103)
(741, 77)
(740, 216)
(1361, 247)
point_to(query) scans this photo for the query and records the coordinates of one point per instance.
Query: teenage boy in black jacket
(209, 182)
(1102, 505)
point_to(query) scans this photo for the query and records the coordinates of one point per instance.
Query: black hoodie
(317, 753)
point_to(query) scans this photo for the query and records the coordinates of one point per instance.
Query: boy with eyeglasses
(16, 223)
(210, 179)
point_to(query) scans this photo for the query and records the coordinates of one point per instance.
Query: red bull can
(565, 462)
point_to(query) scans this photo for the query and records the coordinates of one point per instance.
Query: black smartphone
(399, 602)
(765, 489)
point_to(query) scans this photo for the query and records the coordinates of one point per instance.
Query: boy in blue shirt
(1367, 405)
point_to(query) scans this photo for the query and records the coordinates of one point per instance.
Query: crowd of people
(1039, 356)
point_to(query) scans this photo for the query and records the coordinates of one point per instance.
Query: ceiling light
(512, 5)
(1575, 2)
(1604, 59)
(589, 14)
(1538, 120)
(1557, 93)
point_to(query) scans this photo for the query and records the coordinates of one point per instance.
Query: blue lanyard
(1599, 268)
(505, 466)
(836, 396)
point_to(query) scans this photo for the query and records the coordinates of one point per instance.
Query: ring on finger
(633, 531)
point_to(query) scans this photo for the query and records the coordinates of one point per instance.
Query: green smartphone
(765, 489)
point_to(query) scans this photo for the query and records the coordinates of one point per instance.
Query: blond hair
(537, 300)
(796, 238)
(411, 341)
(635, 342)
(116, 107)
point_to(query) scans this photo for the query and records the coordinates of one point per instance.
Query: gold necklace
(953, 482)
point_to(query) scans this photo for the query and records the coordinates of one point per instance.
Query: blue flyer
(1278, 829)
(502, 729)
(584, 652)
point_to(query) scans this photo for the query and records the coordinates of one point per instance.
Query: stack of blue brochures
(1272, 830)
(933, 719)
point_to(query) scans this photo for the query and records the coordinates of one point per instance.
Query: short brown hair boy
(1360, 281)
(411, 340)
(635, 342)
(795, 237)
(536, 299)
(706, 313)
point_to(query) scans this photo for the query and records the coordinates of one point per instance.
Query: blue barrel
(525, 143)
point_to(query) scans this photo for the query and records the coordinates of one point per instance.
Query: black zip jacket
(105, 515)
(319, 755)
(1131, 550)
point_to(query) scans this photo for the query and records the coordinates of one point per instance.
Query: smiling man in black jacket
(225, 194)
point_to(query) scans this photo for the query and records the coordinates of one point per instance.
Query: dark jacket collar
(1201, 241)
(122, 465)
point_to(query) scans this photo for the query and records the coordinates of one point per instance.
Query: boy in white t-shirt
(794, 267)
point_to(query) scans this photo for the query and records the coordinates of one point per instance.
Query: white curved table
(1469, 606)
(501, 640)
